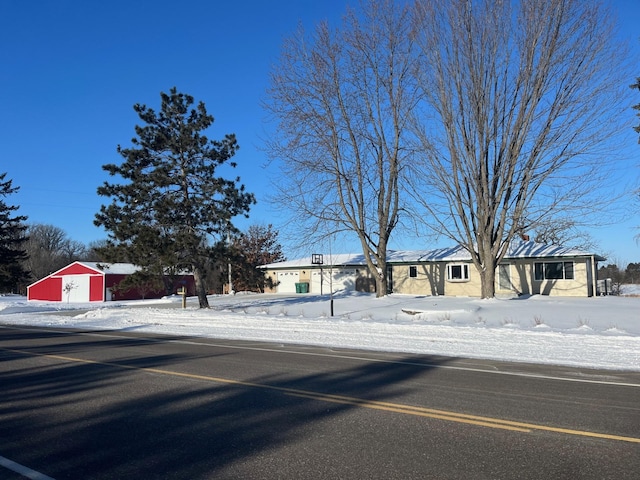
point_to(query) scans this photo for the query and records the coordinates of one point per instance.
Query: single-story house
(527, 268)
(82, 282)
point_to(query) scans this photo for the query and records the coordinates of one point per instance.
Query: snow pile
(631, 290)
(600, 332)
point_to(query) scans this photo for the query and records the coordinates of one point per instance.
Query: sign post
(183, 292)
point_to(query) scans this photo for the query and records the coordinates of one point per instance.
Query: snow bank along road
(601, 332)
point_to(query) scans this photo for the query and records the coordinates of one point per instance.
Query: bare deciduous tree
(637, 106)
(524, 95)
(50, 249)
(343, 99)
(637, 129)
(564, 231)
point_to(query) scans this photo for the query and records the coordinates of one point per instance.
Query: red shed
(82, 282)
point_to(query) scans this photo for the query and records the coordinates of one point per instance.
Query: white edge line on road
(449, 367)
(345, 356)
(22, 470)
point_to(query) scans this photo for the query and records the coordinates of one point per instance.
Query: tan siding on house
(463, 288)
(523, 278)
(430, 279)
(571, 288)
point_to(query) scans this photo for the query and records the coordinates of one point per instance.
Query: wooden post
(183, 292)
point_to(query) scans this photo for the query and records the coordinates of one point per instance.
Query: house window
(553, 271)
(458, 273)
(413, 271)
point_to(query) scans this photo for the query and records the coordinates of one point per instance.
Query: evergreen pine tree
(12, 241)
(171, 201)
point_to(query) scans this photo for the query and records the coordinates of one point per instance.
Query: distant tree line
(29, 252)
(49, 249)
(619, 275)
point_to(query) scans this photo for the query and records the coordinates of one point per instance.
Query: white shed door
(75, 288)
(287, 281)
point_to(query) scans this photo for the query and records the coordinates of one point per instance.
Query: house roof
(521, 249)
(537, 250)
(98, 267)
(112, 268)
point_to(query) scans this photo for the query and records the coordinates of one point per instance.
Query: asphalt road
(114, 405)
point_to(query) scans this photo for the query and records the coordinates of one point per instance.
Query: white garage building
(338, 273)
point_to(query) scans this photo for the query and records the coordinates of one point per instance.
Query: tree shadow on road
(142, 417)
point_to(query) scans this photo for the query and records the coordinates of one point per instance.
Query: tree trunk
(201, 289)
(487, 278)
(381, 281)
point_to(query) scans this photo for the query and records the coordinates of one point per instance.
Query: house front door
(504, 277)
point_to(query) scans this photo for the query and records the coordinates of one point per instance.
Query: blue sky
(71, 71)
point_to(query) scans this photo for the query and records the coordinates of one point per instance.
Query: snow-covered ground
(599, 332)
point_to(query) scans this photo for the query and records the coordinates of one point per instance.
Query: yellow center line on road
(462, 417)
(359, 402)
(412, 410)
